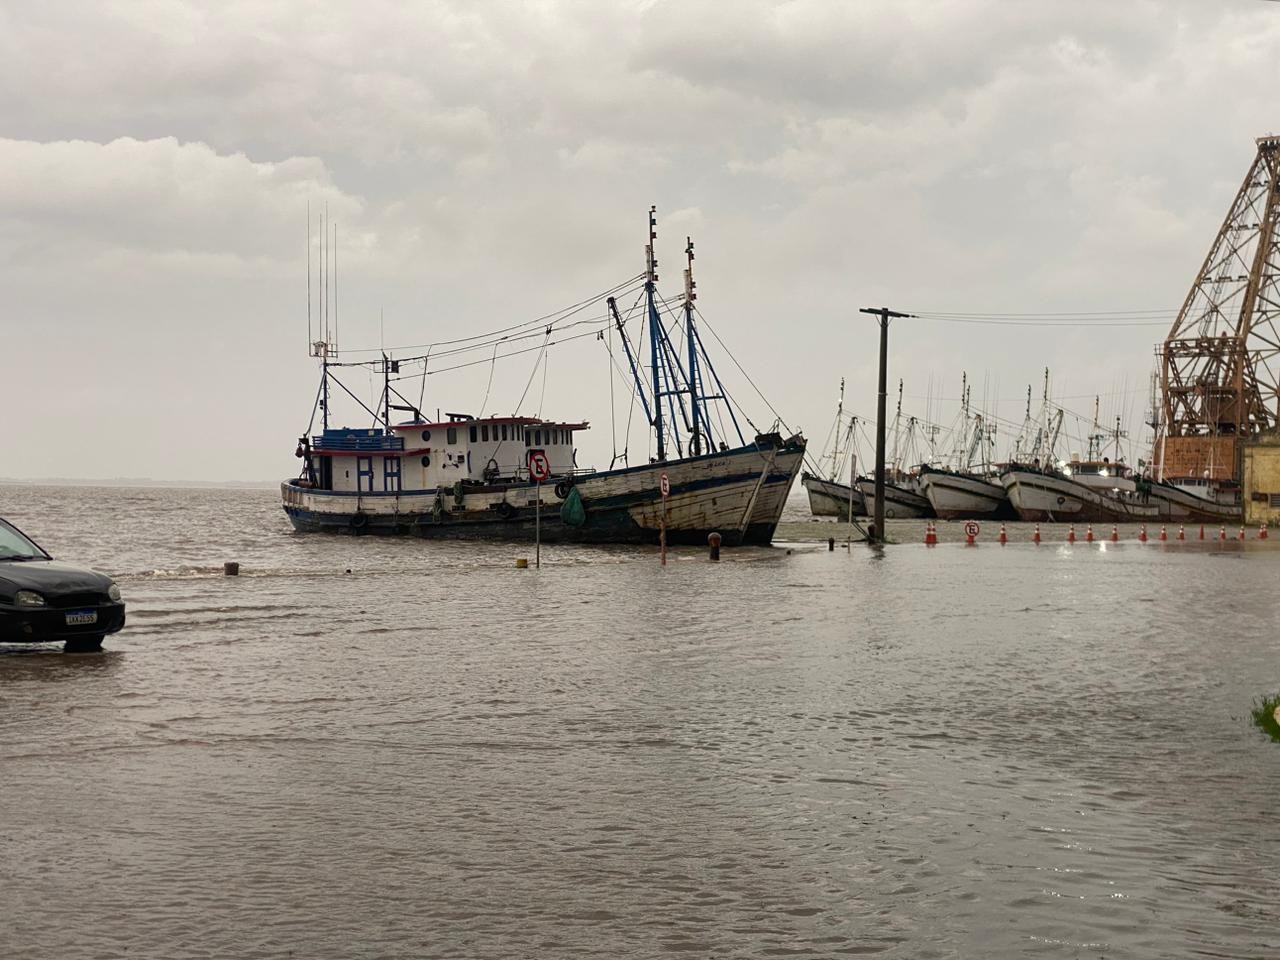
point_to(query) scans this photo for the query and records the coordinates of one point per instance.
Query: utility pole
(884, 313)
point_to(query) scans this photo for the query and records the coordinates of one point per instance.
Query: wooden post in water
(664, 485)
(884, 313)
(537, 526)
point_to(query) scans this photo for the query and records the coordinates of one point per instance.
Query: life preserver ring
(505, 510)
(889, 513)
(563, 487)
(359, 520)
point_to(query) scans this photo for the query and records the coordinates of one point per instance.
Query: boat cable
(1013, 320)
(534, 372)
(490, 336)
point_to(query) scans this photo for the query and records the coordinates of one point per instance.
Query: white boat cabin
(424, 456)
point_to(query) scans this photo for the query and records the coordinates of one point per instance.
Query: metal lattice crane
(1220, 364)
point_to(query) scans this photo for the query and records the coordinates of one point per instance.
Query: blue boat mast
(655, 331)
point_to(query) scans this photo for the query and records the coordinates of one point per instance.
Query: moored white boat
(900, 501)
(828, 498)
(961, 496)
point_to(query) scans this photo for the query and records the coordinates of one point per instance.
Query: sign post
(665, 484)
(539, 469)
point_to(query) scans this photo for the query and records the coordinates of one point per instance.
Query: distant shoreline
(137, 482)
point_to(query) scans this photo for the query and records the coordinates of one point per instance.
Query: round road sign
(539, 466)
(665, 484)
(971, 528)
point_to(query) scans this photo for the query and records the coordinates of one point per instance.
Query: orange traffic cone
(1115, 534)
(1182, 532)
(1163, 535)
(1088, 534)
(1035, 537)
(1142, 534)
(1071, 534)
(1004, 537)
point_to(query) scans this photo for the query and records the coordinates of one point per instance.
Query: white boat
(514, 478)
(963, 496)
(902, 498)
(830, 498)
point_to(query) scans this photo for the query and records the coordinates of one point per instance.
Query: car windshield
(14, 546)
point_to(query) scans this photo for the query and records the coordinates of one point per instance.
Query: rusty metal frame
(1220, 364)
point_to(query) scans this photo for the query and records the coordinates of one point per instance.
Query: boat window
(426, 436)
(426, 461)
(473, 434)
(484, 432)
(528, 438)
(504, 431)
(452, 435)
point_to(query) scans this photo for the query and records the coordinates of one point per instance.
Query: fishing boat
(903, 494)
(516, 477)
(959, 495)
(968, 489)
(828, 497)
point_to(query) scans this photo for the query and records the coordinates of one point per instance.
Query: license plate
(82, 616)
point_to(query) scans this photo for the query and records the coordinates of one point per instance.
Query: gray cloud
(487, 163)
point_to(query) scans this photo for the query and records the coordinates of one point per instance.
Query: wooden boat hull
(1044, 498)
(899, 502)
(955, 496)
(737, 493)
(827, 498)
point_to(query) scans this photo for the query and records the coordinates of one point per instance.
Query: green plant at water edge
(1266, 714)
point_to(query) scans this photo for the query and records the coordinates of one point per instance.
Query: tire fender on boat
(563, 487)
(359, 520)
(505, 510)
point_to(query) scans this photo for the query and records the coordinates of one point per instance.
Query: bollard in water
(831, 544)
(713, 541)
(231, 569)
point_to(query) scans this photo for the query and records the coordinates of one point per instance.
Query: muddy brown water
(913, 752)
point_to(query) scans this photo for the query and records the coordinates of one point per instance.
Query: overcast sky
(487, 163)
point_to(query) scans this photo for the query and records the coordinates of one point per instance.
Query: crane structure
(1220, 364)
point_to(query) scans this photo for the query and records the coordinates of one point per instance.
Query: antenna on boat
(335, 288)
(701, 422)
(308, 275)
(655, 330)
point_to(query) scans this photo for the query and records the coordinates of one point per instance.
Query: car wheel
(91, 644)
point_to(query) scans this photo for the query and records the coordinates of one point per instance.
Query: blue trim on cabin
(364, 469)
(352, 440)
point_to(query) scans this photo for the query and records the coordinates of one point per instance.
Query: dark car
(43, 600)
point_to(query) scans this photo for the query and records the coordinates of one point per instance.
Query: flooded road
(914, 752)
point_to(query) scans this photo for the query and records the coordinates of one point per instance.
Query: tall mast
(695, 400)
(324, 315)
(655, 331)
(835, 451)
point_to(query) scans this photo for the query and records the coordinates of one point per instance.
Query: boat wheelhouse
(419, 455)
